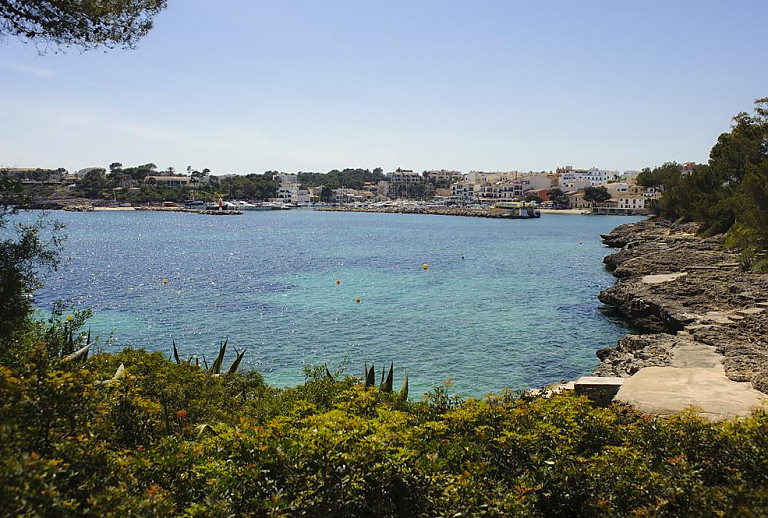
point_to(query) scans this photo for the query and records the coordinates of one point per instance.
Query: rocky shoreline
(678, 289)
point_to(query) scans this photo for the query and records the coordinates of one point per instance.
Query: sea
(476, 304)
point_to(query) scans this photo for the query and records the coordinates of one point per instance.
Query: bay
(502, 303)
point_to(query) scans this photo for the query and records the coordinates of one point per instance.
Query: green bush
(171, 439)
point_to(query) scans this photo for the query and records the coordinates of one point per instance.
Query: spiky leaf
(118, 374)
(235, 364)
(216, 367)
(387, 385)
(80, 353)
(200, 430)
(176, 353)
(370, 379)
(404, 391)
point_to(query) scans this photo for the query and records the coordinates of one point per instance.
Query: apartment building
(404, 177)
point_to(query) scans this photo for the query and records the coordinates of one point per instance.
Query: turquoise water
(503, 303)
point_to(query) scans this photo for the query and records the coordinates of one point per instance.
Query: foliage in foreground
(171, 439)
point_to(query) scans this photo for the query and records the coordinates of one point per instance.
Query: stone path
(695, 378)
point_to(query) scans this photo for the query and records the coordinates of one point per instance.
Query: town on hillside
(593, 190)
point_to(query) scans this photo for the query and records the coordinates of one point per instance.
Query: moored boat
(518, 209)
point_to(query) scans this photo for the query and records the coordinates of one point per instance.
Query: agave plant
(386, 384)
(82, 353)
(218, 363)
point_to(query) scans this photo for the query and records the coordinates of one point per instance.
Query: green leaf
(200, 430)
(235, 364)
(404, 391)
(387, 385)
(370, 380)
(216, 367)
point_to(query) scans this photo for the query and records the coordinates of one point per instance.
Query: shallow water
(503, 303)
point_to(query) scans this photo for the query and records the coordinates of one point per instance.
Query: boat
(244, 205)
(220, 205)
(195, 205)
(518, 209)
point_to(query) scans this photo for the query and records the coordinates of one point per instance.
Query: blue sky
(246, 86)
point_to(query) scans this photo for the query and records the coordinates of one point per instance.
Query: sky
(244, 86)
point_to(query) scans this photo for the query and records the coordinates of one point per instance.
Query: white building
(290, 191)
(571, 178)
(402, 176)
(464, 191)
(631, 203)
(442, 174)
(287, 178)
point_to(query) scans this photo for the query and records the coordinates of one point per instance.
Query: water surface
(503, 303)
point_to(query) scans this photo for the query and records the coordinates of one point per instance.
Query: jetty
(500, 213)
(206, 212)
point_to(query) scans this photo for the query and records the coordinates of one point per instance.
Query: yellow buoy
(338, 281)
(165, 281)
(357, 300)
(425, 266)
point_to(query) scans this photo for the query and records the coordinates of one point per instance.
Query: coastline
(685, 295)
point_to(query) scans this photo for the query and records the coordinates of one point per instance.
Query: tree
(662, 177)
(93, 183)
(326, 194)
(24, 255)
(533, 197)
(558, 197)
(84, 24)
(730, 193)
(596, 194)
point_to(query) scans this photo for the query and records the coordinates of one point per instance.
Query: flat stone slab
(717, 317)
(664, 277)
(696, 355)
(670, 390)
(750, 311)
(695, 327)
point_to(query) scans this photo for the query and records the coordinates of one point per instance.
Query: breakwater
(440, 211)
(680, 290)
(206, 212)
